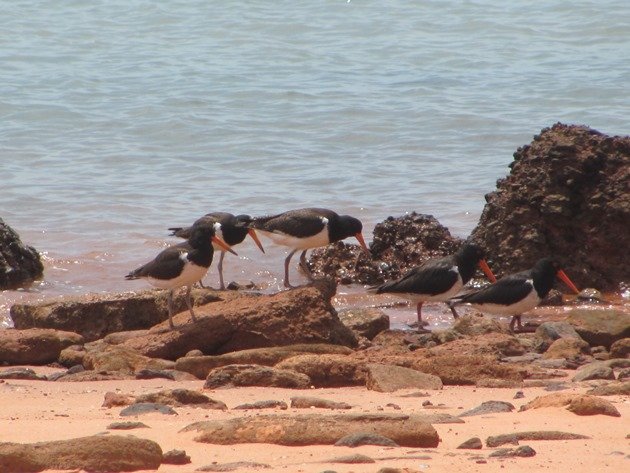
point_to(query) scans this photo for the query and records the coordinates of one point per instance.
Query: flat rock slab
(355, 459)
(233, 466)
(522, 451)
(489, 407)
(316, 429)
(268, 404)
(97, 453)
(309, 402)
(181, 397)
(612, 389)
(147, 408)
(515, 438)
(127, 426)
(389, 378)
(200, 366)
(254, 375)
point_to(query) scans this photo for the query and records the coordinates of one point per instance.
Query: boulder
(569, 348)
(478, 324)
(566, 196)
(254, 375)
(398, 244)
(389, 378)
(200, 366)
(34, 346)
(596, 370)
(327, 370)
(316, 429)
(97, 315)
(103, 357)
(548, 332)
(365, 322)
(301, 315)
(112, 453)
(19, 264)
(600, 326)
(620, 348)
(580, 404)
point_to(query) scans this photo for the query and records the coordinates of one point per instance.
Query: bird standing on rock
(307, 228)
(517, 293)
(182, 265)
(438, 279)
(232, 229)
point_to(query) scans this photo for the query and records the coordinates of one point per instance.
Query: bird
(182, 265)
(303, 229)
(438, 279)
(233, 230)
(519, 292)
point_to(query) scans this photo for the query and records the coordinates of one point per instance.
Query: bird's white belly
(315, 241)
(190, 274)
(525, 304)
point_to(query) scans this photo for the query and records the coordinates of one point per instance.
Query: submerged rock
(19, 264)
(566, 196)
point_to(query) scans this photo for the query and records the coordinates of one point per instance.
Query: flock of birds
(439, 279)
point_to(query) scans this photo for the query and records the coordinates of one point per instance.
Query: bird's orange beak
(359, 236)
(486, 269)
(252, 233)
(565, 279)
(224, 245)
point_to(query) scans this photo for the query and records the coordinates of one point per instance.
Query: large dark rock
(398, 244)
(19, 264)
(567, 197)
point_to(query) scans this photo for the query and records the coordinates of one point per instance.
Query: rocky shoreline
(228, 392)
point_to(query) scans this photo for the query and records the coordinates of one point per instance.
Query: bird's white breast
(313, 241)
(190, 274)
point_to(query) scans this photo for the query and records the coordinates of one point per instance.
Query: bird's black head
(243, 220)
(468, 257)
(544, 275)
(344, 227)
(201, 235)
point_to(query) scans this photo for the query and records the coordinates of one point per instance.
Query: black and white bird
(182, 265)
(438, 279)
(517, 293)
(232, 229)
(307, 228)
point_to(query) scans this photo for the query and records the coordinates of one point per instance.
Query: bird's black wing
(298, 224)
(429, 279)
(167, 265)
(505, 291)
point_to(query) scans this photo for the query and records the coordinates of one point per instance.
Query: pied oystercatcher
(517, 293)
(438, 279)
(182, 265)
(233, 229)
(307, 228)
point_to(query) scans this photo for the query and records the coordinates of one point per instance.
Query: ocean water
(122, 118)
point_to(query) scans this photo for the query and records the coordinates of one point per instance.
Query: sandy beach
(35, 411)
